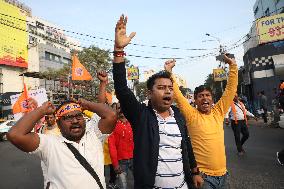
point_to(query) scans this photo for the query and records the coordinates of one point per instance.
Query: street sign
(132, 73)
(219, 74)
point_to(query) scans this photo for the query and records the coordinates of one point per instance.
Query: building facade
(42, 46)
(264, 51)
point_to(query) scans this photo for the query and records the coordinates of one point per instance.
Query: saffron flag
(21, 105)
(79, 72)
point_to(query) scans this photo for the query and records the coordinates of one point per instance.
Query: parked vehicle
(5, 127)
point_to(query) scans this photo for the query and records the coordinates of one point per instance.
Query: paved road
(257, 169)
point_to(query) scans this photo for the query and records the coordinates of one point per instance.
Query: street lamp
(219, 41)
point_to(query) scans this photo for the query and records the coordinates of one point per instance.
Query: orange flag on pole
(79, 72)
(21, 105)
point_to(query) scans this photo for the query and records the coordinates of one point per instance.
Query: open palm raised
(121, 39)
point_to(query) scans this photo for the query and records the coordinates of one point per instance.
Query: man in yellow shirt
(205, 126)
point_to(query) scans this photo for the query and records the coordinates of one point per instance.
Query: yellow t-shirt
(206, 131)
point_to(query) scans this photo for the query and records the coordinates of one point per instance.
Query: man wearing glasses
(64, 169)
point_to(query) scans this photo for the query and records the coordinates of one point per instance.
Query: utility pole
(219, 57)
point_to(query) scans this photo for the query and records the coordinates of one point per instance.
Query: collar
(170, 110)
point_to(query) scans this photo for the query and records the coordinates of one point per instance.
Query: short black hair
(262, 92)
(201, 88)
(161, 74)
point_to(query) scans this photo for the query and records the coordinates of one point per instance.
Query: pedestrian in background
(121, 148)
(263, 106)
(238, 114)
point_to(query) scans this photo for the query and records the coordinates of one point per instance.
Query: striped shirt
(170, 167)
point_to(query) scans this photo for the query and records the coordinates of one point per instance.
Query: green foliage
(141, 90)
(94, 59)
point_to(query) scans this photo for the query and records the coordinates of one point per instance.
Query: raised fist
(102, 76)
(48, 108)
(169, 65)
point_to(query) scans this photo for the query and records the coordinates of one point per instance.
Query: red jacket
(121, 142)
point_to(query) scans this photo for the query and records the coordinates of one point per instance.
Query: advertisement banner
(13, 36)
(219, 74)
(270, 28)
(132, 73)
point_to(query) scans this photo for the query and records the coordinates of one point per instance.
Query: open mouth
(167, 100)
(205, 104)
(75, 128)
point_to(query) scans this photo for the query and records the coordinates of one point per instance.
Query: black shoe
(277, 157)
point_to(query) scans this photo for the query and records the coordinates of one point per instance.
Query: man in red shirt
(121, 148)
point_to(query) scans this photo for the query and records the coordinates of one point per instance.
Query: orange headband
(68, 108)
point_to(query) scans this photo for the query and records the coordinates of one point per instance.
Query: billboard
(270, 28)
(132, 73)
(13, 36)
(219, 74)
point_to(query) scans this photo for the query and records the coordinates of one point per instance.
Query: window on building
(267, 13)
(32, 28)
(52, 57)
(40, 25)
(256, 10)
(32, 39)
(66, 60)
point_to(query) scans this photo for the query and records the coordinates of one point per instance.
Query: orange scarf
(235, 112)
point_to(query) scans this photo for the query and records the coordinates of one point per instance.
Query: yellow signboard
(219, 74)
(13, 36)
(132, 73)
(270, 28)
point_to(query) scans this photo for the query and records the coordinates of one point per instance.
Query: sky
(180, 24)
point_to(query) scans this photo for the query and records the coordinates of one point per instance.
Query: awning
(33, 74)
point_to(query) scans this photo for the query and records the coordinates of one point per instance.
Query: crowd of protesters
(158, 144)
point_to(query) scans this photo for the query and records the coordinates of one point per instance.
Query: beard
(73, 136)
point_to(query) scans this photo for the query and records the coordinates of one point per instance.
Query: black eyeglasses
(70, 118)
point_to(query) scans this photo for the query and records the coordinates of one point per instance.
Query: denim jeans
(127, 168)
(215, 182)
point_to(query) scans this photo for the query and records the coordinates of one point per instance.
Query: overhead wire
(136, 44)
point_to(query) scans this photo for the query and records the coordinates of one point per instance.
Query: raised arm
(222, 106)
(103, 77)
(20, 134)
(181, 101)
(129, 104)
(107, 115)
